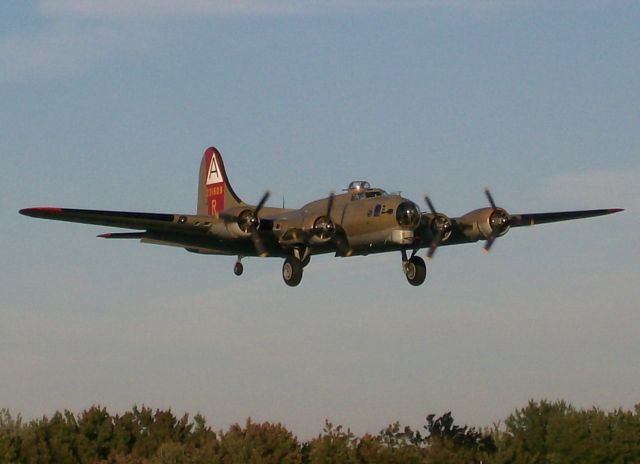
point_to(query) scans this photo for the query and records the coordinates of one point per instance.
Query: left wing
(488, 224)
(519, 220)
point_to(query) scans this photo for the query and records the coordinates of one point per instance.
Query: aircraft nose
(408, 214)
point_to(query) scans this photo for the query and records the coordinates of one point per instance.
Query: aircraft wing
(490, 223)
(125, 219)
(520, 220)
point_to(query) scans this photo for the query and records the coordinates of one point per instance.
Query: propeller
(323, 227)
(499, 220)
(441, 226)
(249, 221)
(255, 223)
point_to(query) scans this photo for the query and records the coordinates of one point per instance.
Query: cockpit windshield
(359, 185)
(360, 189)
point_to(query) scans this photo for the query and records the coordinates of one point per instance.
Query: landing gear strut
(292, 271)
(238, 268)
(414, 269)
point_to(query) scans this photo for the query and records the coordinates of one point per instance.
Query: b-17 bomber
(359, 221)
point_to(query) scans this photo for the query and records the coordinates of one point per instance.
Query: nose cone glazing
(408, 214)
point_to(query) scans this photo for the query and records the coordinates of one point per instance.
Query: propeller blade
(490, 198)
(341, 245)
(262, 201)
(436, 239)
(488, 244)
(257, 243)
(330, 205)
(430, 205)
(499, 228)
(434, 245)
(439, 235)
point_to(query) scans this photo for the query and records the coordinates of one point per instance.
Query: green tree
(625, 435)
(259, 443)
(94, 431)
(450, 443)
(555, 432)
(333, 445)
(542, 432)
(398, 445)
(10, 436)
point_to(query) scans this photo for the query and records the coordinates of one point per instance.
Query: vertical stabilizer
(214, 191)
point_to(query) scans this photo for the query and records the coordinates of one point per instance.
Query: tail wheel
(415, 270)
(292, 271)
(238, 268)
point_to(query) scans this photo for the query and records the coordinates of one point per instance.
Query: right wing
(153, 222)
(192, 232)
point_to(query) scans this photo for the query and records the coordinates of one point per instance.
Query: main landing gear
(414, 268)
(291, 268)
(293, 265)
(292, 271)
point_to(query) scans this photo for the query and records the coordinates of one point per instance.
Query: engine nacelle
(481, 224)
(238, 224)
(323, 230)
(441, 224)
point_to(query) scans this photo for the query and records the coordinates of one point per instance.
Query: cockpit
(360, 189)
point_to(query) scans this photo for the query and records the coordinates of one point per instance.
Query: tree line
(541, 432)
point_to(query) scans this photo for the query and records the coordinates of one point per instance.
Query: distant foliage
(541, 432)
(555, 432)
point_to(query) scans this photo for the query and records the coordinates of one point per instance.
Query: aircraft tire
(238, 268)
(416, 271)
(292, 271)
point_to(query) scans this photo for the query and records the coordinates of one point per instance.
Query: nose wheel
(292, 271)
(415, 270)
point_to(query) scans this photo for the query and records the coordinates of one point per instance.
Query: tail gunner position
(359, 221)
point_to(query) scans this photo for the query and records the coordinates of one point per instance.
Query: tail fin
(214, 191)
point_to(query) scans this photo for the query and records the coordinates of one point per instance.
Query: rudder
(214, 191)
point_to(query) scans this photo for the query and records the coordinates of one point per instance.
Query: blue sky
(110, 105)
